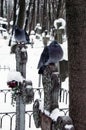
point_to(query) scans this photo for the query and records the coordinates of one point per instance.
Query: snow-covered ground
(8, 60)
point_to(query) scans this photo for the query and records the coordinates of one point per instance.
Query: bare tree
(38, 7)
(76, 32)
(14, 20)
(14, 12)
(44, 16)
(32, 16)
(1, 8)
(28, 16)
(21, 15)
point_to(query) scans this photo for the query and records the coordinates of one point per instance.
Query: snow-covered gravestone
(60, 24)
(45, 38)
(38, 30)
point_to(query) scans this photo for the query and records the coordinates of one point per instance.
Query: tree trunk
(14, 20)
(14, 12)
(44, 23)
(1, 10)
(38, 7)
(21, 16)
(28, 17)
(32, 18)
(9, 13)
(76, 32)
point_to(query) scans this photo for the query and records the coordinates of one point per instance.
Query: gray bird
(51, 54)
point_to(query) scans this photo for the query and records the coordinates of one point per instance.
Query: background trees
(37, 11)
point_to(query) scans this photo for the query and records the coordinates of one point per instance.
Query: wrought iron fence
(11, 115)
(63, 97)
(5, 93)
(63, 94)
(4, 67)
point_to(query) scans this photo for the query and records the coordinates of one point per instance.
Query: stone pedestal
(46, 122)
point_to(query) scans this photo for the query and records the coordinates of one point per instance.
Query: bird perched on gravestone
(51, 54)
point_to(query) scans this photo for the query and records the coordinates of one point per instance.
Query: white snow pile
(55, 114)
(68, 126)
(23, 49)
(15, 75)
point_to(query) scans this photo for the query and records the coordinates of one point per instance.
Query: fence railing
(4, 67)
(11, 116)
(63, 94)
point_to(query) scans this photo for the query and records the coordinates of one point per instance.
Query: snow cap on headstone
(15, 76)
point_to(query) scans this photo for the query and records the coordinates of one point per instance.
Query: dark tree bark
(1, 4)
(28, 16)
(76, 32)
(49, 14)
(44, 19)
(38, 17)
(32, 18)
(14, 12)
(59, 7)
(21, 15)
(14, 20)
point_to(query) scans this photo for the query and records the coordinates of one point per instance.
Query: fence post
(21, 59)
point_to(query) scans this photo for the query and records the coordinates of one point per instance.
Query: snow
(8, 60)
(32, 37)
(3, 22)
(65, 50)
(23, 50)
(56, 113)
(68, 127)
(38, 26)
(15, 75)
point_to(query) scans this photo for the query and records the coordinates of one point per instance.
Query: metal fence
(11, 116)
(4, 67)
(63, 94)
